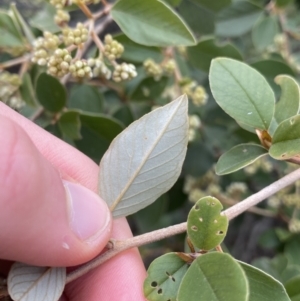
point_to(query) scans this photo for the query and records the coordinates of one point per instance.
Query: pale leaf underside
(145, 160)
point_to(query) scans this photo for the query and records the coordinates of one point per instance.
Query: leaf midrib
(245, 91)
(119, 198)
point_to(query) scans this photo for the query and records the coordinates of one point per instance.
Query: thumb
(45, 220)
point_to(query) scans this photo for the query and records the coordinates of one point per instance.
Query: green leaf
(264, 31)
(97, 131)
(44, 19)
(69, 124)
(86, 98)
(10, 36)
(238, 157)
(200, 19)
(206, 227)
(207, 49)
(214, 277)
(286, 139)
(22, 23)
(291, 251)
(173, 2)
(149, 88)
(289, 102)
(242, 92)
(293, 288)
(151, 23)
(262, 286)
(137, 53)
(283, 3)
(164, 277)
(237, 19)
(273, 267)
(27, 91)
(290, 272)
(213, 5)
(270, 69)
(155, 147)
(194, 164)
(50, 93)
(124, 114)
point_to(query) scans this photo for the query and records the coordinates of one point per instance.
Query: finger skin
(122, 277)
(34, 207)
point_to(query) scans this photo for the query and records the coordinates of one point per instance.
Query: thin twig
(137, 241)
(85, 9)
(36, 114)
(15, 61)
(256, 210)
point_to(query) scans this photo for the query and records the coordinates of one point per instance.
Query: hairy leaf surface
(145, 160)
(32, 283)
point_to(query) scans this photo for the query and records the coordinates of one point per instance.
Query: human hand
(42, 226)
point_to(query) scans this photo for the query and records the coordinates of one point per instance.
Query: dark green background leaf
(135, 52)
(86, 98)
(237, 19)
(50, 93)
(264, 32)
(207, 49)
(200, 19)
(69, 124)
(97, 131)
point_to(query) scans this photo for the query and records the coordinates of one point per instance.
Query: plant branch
(263, 194)
(253, 209)
(15, 61)
(137, 241)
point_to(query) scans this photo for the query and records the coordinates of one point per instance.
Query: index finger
(120, 278)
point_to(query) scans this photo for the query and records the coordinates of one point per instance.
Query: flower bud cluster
(153, 69)
(59, 63)
(291, 200)
(112, 48)
(81, 69)
(124, 72)
(263, 163)
(203, 186)
(59, 4)
(194, 125)
(43, 47)
(169, 66)
(99, 68)
(8, 78)
(274, 202)
(75, 36)
(213, 189)
(196, 194)
(196, 92)
(9, 85)
(294, 225)
(236, 189)
(61, 17)
(14, 51)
